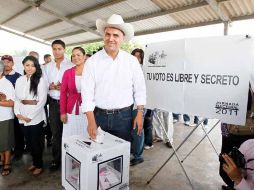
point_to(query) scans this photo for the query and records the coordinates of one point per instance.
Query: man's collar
(64, 60)
(11, 73)
(54, 62)
(104, 53)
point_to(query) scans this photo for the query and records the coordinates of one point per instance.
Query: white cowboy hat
(116, 21)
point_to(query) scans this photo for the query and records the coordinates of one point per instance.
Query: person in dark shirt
(8, 71)
(12, 76)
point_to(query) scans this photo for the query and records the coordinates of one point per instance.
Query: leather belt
(29, 102)
(113, 111)
(54, 100)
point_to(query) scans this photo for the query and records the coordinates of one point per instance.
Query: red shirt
(69, 95)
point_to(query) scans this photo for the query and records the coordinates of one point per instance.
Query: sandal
(6, 169)
(31, 168)
(157, 139)
(37, 171)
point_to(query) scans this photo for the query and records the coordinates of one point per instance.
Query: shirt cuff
(242, 185)
(85, 107)
(140, 101)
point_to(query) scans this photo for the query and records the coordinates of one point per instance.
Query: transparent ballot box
(110, 173)
(72, 171)
(88, 165)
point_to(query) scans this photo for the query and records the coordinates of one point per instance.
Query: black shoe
(49, 144)
(168, 144)
(224, 187)
(54, 167)
(26, 150)
(136, 161)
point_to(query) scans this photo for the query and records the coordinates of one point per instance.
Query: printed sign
(207, 77)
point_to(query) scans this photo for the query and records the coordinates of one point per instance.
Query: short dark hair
(58, 42)
(46, 56)
(80, 49)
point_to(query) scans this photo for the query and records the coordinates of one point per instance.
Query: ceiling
(73, 21)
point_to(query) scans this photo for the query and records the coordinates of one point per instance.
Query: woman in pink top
(243, 178)
(74, 120)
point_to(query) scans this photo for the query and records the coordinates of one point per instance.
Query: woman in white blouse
(31, 96)
(7, 96)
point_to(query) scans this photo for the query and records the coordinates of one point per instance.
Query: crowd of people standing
(47, 99)
(63, 97)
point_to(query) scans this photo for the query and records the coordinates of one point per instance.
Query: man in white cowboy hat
(112, 80)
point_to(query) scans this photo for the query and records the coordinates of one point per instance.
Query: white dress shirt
(53, 74)
(78, 83)
(43, 70)
(112, 84)
(78, 87)
(34, 112)
(44, 76)
(11, 73)
(6, 87)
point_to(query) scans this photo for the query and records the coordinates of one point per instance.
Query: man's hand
(27, 120)
(138, 122)
(58, 86)
(231, 169)
(20, 117)
(23, 118)
(52, 86)
(92, 130)
(2, 96)
(64, 118)
(92, 126)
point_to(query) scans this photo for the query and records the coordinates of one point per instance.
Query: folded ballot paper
(100, 135)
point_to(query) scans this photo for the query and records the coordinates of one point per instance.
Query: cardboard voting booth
(88, 165)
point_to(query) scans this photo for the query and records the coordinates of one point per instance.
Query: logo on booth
(157, 59)
(97, 158)
(227, 108)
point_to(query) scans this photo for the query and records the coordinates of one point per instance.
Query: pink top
(69, 95)
(247, 149)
